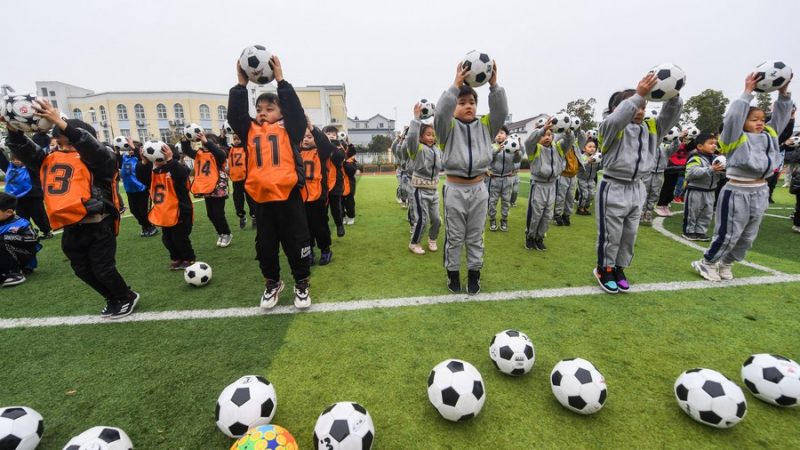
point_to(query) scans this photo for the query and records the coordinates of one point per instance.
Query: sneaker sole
(13, 283)
(271, 304)
(697, 268)
(607, 290)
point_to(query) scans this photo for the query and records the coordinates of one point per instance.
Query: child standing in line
(137, 190)
(336, 180)
(238, 173)
(501, 179)
(702, 177)
(211, 182)
(350, 167)
(316, 150)
(515, 186)
(753, 153)
(26, 186)
(587, 176)
(18, 243)
(426, 159)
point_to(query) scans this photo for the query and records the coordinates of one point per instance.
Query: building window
(93, 115)
(77, 114)
(103, 116)
(178, 111)
(122, 114)
(52, 93)
(125, 132)
(380, 125)
(161, 111)
(106, 136)
(165, 134)
(207, 130)
(44, 92)
(142, 134)
(205, 113)
(139, 111)
(222, 113)
(55, 104)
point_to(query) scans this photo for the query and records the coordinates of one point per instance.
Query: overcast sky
(391, 54)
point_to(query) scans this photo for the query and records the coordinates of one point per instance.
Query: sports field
(382, 318)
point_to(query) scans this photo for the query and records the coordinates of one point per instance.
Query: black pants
(668, 188)
(14, 256)
(796, 219)
(91, 249)
(283, 223)
(317, 217)
(349, 204)
(772, 181)
(239, 197)
(139, 203)
(32, 208)
(215, 209)
(176, 239)
(335, 202)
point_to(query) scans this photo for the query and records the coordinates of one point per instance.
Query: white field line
(360, 305)
(130, 215)
(658, 225)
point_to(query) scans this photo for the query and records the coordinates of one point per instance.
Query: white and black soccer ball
(794, 142)
(774, 75)
(255, 61)
(100, 438)
(650, 114)
(597, 157)
(692, 132)
(120, 143)
(671, 80)
(561, 122)
(198, 274)
(578, 385)
(227, 127)
(192, 131)
(344, 426)
(591, 134)
(511, 145)
(512, 352)
(671, 135)
(153, 151)
(19, 113)
(426, 109)
(710, 398)
(456, 390)
(480, 68)
(721, 160)
(21, 428)
(774, 379)
(341, 136)
(247, 402)
(515, 136)
(575, 123)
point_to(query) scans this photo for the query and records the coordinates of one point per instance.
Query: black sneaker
(473, 282)
(702, 237)
(125, 308)
(565, 220)
(492, 225)
(149, 232)
(312, 258)
(242, 222)
(453, 281)
(340, 230)
(325, 257)
(109, 309)
(503, 225)
(689, 236)
(621, 279)
(13, 279)
(605, 276)
(559, 221)
(530, 243)
(539, 243)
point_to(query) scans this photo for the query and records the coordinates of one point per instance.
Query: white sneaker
(219, 239)
(270, 296)
(432, 245)
(725, 271)
(302, 299)
(706, 270)
(796, 229)
(351, 221)
(416, 249)
(225, 240)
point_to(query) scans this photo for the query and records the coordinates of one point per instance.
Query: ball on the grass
(255, 62)
(192, 131)
(671, 80)
(19, 113)
(344, 426)
(671, 135)
(227, 127)
(426, 108)
(456, 390)
(153, 151)
(561, 122)
(262, 437)
(247, 402)
(721, 160)
(774, 379)
(21, 428)
(480, 68)
(121, 143)
(710, 398)
(100, 438)
(774, 75)
(512, 352)
(578, 386)
(198, 274)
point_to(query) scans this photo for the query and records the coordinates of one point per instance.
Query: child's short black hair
(504, 129)
(702, 138)
(330, 129)
(41, 139)
(617, 98)
(213, 138)
(75, 123)
(7, 201)
(466, 89)
(268, 97)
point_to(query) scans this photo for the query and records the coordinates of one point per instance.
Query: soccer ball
(19, 113)
(721, 160)
(597, 157)
(794, 142)
(247, 402)
(456, 390)
(342, 136)
(266, 436)
(514, 136)
(710, 398)
(561, 122)
(100, 438)
(198, 274)
(121, 143)
(192, 131)
(692, 132)
(774, 75)
(344, 426)
(591, 134)
(426, 109)
(512, 352)
(578, 385)
(255, 61)
(227, 127)
(511, 145)
(774, 379)
(671, 79)
(650, 114)
(480, 68)
(575, 123)
(21, 428)
(153, 151)
(671, 135)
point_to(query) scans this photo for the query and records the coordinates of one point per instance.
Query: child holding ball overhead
(426, 159)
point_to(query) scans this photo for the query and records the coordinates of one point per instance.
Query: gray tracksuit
(515, 185)
(467, 153)
(546, 164)
(501, 179)
(400, 158)
(750, 156)
(426, 162)
(698, 197)
(654, 180)
(587, 174)
(629, 153)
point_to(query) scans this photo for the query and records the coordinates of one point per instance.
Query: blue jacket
(18, 181)
(128, 174)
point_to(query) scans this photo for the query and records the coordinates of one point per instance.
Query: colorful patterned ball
(266, 437)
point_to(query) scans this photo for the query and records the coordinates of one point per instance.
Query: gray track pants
(698, 207)
(739, 213)
(540, 208)
(617, 210)
(653, 183)
(465, 208)
(585, 192)
(515, 190)
(565, 195)
(426, 209)
(500, 189)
